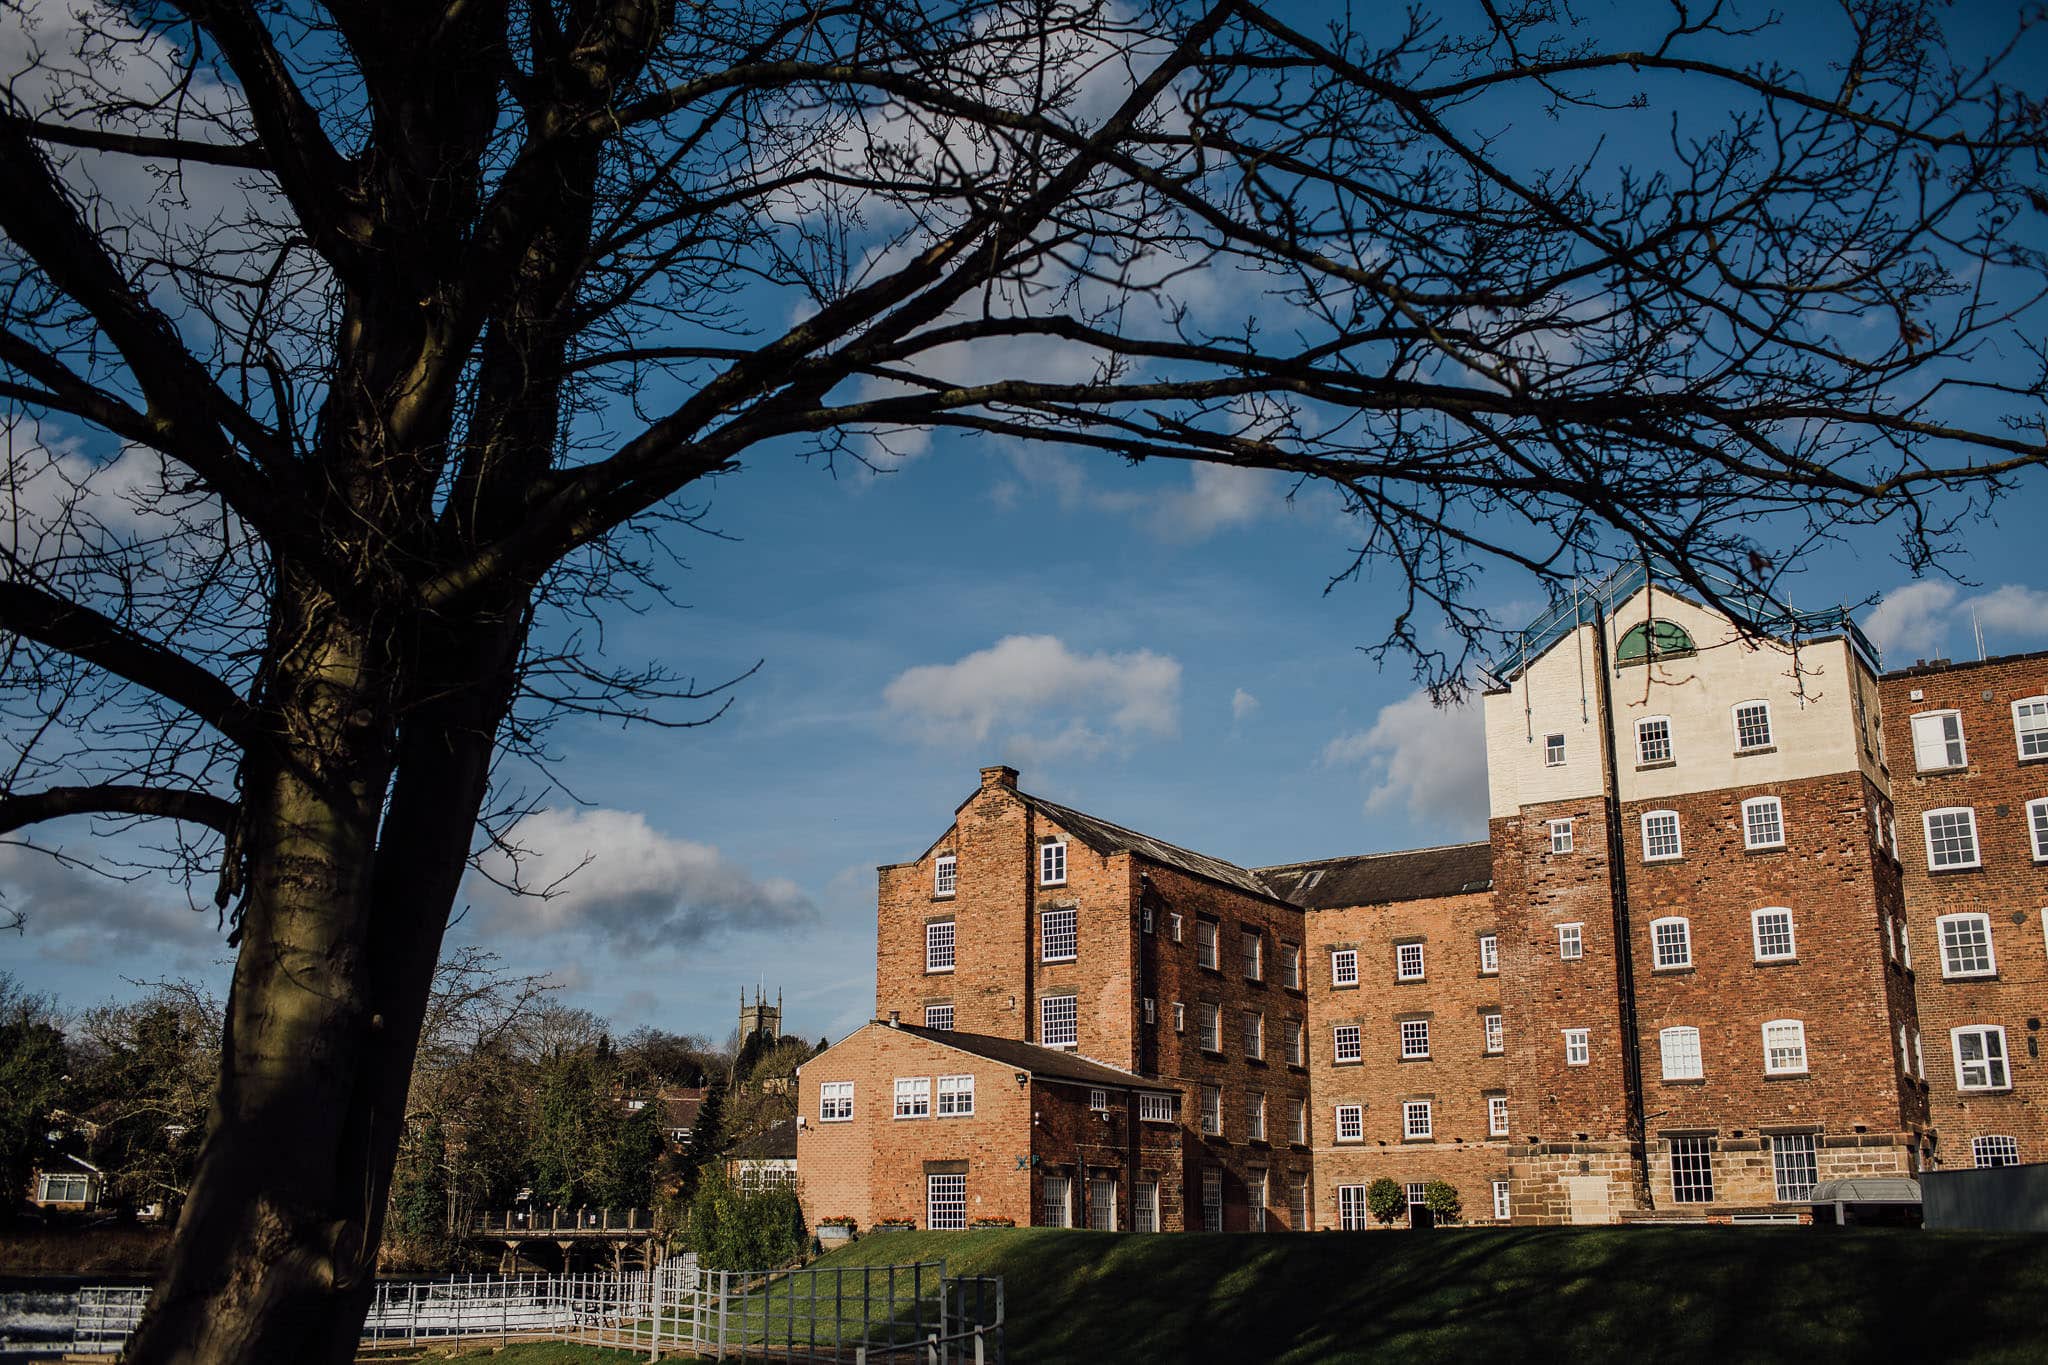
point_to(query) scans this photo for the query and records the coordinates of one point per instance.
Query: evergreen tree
(707, 1137)
(559, 1158)
(625, 1175)
(31, 1074)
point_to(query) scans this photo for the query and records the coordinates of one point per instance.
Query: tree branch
(199, 808)
(249, 156)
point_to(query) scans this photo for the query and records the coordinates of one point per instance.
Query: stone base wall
(1574, 1182)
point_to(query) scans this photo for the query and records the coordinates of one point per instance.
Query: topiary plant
(1441, 1197)
(1385, 1200)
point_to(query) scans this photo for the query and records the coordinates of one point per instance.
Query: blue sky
(1152, 645)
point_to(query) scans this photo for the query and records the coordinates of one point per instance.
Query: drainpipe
(1617, 886)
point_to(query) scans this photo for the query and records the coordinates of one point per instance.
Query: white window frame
(954, 1189)
(1496, 1115)
(56, 1187)
(1646, 741)
(835, 1102)
(1696, 1157)
(1180, 1017)
(1255, 1035)
(1251, 951)
(2037, 828)
(1290, 965)
(1560, 836)
(945, 874)
(1976, 858)
(1403, 958)
(1494, 1030)
(1343, 967)
(1154, 1107)
(1919, 1058)
(1346, 1043)
(1145, 1206)
(1151, 1010)
(1678, 1053)
(932, 1022)
(1756, 934)
(1553, 751)
(1298, 1130)
(1212, 1111)
(1102, 1203)
(1941, 937)
(937, 945)
(1098, 1100)
(1958, 745)
(1789, 1027)
(1804, 1148)
(1658, 942)
(1571, 941)
(913, 1097)
(1749, 824)
(1414, 1040)
(955, 1097)
(1489, 954)
(1212, 1028)
(1418, 1120)
(1059, 928)
(1207, 931)
(1351, 1210)
(1994, 1149)
(1212, 1200)
(1735, 719)
(1070, 1016)
(1578, 1046)
(1052, 863)
(1501, 1207)
(1255, 1116)
(1677, 837)
(1991, 1083)
(1350, 1123)
(1058, 1214)
(1173, 923)
(2020, 734)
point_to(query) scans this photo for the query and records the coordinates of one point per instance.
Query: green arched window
(1653, 640)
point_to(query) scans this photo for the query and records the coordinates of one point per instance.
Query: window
(1784, 1047)
(1951, 838)
(1489, 953)
(1763, 822)
(1681, 1052)
(1906, 945)
(1497, 1115)
(956, 1096)
(1205, 944)
(1055, 1209)
(1297, 1043)
(1414, 1038)
(1145, 1206)
(1795, 1165)
(944, 875)
(1059, 1021)
(1290, 966)
(1660, 836)
(1257, 1189)
(1212, 1028)
(1560, 835)
(1692, 1170)
(2030, 726)
(1212, 1200)
(1351, 1214)
(1344, 967)
(1255, 1117)
(1415, 1120)
(1653, 640)
(1571, 942)
(1145, 918)
(1578, 1049)
(1553, 751)
(1344, 1046)
(1298, 1206)
(1771, 929)
(1212, 1111)
(835, 1102)
(1058, 934)
(1102, 1204)
(65, 1187)
(938, 946)
(1653, 740)
(913, 1097)
(1491, 1020)
(1350, 1123)
(1254, 951)
(938, 1016)
(1938, 740)
(1180, 1017)
(1500, 1200)
(1994, 1151)
(1966, 945)
(945, 1202)
(1151, 1011)
(2037, 828)
(1052, 863)
(1155, 1108)
(1254, 1035)
(1919, 1058)
(1173, 923)
(1297, 1131)
(1980, 1057)
(1753, 725)
(1408, 961)
(1671, 942)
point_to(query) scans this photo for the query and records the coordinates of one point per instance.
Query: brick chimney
(999, 776)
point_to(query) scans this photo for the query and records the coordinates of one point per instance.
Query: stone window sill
(1758, 749)
(1687, 970)
(1660, 763)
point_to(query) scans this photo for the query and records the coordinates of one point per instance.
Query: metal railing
(561, 1219)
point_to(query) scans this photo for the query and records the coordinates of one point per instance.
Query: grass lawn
(1537, 1294)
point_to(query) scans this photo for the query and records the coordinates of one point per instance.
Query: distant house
(766, 1161)
(67, 1183)
(679, 1111)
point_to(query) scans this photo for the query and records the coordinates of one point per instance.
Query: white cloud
(1049, 700)
(2013, 610)
(1242, 705)
(1422, 760)
(1924, 619)
(611, 875)
(1912, 619)
(77, 916)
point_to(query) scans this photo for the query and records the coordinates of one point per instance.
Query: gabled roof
(777, 1143)
(1047, 1063)
(1105, 838)
(1382, 878)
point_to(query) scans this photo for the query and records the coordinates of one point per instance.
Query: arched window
(1653, 640)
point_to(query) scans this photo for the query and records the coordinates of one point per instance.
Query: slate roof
(1383, 878)
(1104, 837)
(1047, 1062)
(777, 1143)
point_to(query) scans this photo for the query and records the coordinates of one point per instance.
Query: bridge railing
(562, 1219)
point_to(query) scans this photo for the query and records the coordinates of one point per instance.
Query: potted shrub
(1442, 1199)
(1385, 1200)
(836, 1230)
(892, 1225)
(994, 1222)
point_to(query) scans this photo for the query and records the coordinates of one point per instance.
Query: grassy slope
(1637, 1294)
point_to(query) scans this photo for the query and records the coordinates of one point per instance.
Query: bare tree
(361, 354)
